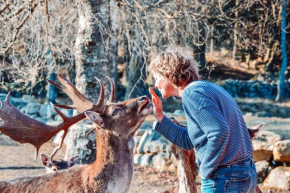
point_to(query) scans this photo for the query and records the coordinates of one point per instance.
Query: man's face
(166, 88)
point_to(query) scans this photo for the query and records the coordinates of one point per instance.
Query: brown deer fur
(112, 171)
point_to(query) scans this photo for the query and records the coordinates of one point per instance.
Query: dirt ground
(18, 160)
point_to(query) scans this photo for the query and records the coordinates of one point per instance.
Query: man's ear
(95, 117)
(73, 160)
(45, 160)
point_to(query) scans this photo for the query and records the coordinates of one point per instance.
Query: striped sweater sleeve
(174, 133)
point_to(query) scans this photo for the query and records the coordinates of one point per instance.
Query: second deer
(56, 165)
(115, 125)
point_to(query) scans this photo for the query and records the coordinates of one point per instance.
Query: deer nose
(143, 98)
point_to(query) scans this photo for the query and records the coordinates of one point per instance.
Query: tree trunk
(92, 60)
(235, 31)
(211, 40)
(51, 94)
(200, 50)
(135, 85)
(113, 57)
(280, 93)
(92, 46)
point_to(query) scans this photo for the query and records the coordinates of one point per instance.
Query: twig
(4, 7)
(18, 28)
(47, 35)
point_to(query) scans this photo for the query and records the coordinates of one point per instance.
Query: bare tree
(280, 94)
(37, 38)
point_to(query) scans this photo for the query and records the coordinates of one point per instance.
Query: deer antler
(24, 129)
(113, 90)
(81, 103)
(111, 99)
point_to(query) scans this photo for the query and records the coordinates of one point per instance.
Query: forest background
(239, 44)
(82, 39)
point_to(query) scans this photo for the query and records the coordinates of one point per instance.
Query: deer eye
(115, 111)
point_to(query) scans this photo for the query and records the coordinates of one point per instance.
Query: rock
(46, 111)
(143, 160)
(65, 112)
(160, 162)
(282, 112)
(261, 167)
(32, 108)
(78, 143)
(147, 138)
(155, 146)
(278, 178)
(33, 116)
(263, 145)
(178, 113)
(27, 97)
(154, 143)
(23, 110)
(263, 114)
(19, 103)
(137, 140)
(137, 159)
(261, 154)
(172, 167)
(168, 114)
(40, 119)
(142, 141)
(144, 127)
(52, 122)
(15, 101)
(2, 96)
(281, 151)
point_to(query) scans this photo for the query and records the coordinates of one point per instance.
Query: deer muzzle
(144, 107)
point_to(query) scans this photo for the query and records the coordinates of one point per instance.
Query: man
(215, 125)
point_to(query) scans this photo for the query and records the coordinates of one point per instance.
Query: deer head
(124, 117)
(55, 165)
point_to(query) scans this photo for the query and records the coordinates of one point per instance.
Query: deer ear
(73, 160)
(95, 117)
(45, 160)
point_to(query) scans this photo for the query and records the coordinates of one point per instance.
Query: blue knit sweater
(215, 127)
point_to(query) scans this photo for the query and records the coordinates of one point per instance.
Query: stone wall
(253, 89)
(271, 155)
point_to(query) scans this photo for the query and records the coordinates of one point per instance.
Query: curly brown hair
(176, 66)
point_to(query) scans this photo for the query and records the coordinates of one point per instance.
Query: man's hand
(157, 105)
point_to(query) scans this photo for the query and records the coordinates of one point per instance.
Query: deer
(57, 165)
(187, 168)
(115, 125)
